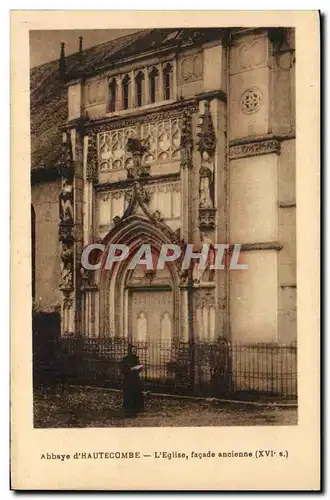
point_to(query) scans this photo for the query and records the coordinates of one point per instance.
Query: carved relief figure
(206, 181)
(66, 202)
(67, 266)
(204, 273)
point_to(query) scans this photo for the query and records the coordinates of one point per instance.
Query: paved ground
(89, 407)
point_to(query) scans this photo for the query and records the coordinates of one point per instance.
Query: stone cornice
(212, 94)
(263, 137)
(127, 183)
(255, 147)
(119, 121)
(264, 246)
(287, 204)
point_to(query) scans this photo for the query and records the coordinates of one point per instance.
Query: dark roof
(48, 96)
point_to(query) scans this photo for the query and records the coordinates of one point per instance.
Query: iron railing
(202, 368)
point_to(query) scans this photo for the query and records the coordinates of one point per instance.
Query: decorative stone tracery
(161, 141)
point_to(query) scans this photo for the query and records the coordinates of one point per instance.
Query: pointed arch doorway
(150, 316)
(142, 305)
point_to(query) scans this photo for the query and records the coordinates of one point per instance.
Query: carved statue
(66, 254)
(200, 273)
(206, 194)
(66, 202)
(67, 266)
(206, 147)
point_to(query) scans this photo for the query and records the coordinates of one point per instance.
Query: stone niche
(250, 85)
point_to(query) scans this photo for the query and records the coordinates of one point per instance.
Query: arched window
(33, 250)
(138, 88)
(125, 86)
(167, 81)
(112, 96)
(153, 75)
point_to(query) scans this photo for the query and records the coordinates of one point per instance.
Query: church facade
(168, 136)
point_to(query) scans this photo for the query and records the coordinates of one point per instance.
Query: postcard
(165, 241)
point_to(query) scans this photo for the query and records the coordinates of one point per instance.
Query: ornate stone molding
(204, 297)
(250, 247)
(287, 204)
(101, 124)
(128, 183)
(212, 94)
(251, 100)
(91, 174)
(206, 218)
(207, 137)
(255, 148)
(66, 213)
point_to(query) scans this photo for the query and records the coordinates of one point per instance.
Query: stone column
(132, 102)
(118, 94)
(145, 99)
(78, 135)
(88, 288)
(160, 83)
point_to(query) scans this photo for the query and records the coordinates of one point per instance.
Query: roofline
(175, 46)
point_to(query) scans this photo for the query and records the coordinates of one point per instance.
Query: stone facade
(189, 146)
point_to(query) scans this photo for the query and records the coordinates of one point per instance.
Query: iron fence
(202, 368)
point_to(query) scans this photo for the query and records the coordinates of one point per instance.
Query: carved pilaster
(66, 234)
(91, 171)
(186, 140)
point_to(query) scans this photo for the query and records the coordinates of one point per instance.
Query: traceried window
(167, 81)
(112, 96)
(138, 88)
(125, 87)
(153, 76)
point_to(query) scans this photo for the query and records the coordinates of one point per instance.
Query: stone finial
(62, 64)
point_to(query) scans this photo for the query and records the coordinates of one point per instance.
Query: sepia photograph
(165, 282)
(163, 227)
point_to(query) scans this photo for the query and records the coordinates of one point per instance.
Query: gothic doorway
(150, 317)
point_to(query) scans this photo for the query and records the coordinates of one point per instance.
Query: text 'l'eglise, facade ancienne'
(168, 136)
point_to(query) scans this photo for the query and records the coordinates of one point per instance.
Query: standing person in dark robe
(133, 397)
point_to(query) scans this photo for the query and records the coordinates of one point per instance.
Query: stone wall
(45, 200)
